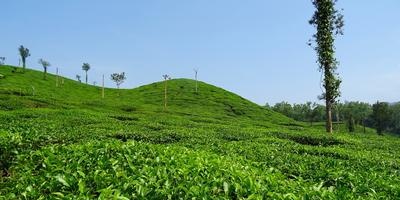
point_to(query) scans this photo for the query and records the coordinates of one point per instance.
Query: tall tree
(118, 78)
(86, 67)
(45, 64)
(329, 23)
(24, 53)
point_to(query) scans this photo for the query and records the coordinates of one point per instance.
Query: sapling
(44, 64)
(78, 77)
(166, 78)
(195, 76)
(118, 78)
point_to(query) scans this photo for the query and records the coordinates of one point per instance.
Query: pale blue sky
(254, 48)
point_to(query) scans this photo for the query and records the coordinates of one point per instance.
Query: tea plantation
(67, 142)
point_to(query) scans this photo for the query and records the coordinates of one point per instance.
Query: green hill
(67, 142)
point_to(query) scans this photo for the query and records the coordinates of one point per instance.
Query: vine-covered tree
(24, 53)
(329, 23)
(86, 67)
(44, 64)
(118, 78)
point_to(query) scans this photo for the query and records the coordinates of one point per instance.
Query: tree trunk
(328, 116)
(363, 124)
(23, 63)
(86, 77)
(45, 73)
(165, 95)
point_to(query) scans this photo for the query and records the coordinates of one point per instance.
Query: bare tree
(45, 64)
(166, 78)
(195, 77)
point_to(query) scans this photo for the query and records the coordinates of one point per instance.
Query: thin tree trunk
(328, 116)
(23, 63)
(165, 95)
(196, 81)
(86, 77)
(363, 125)
(45, 73)
(57, 77)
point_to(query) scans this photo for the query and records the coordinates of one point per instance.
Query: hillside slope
(210, 101)
(68, 143)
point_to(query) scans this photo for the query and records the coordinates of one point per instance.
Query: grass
(69, 143)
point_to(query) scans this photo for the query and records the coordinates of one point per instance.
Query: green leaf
(226, 187)
(62, 180)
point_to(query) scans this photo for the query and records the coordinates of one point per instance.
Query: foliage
(66, 143)
(380, 116)
(86, 68)
(329, 23)
(308, 112)
(394, 124)
(118, 78)
(24, 53)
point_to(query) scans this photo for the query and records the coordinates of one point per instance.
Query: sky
(257, 49)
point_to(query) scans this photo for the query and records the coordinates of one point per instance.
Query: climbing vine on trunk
(329, 23)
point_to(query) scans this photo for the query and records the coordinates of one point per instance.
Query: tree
(355, 113)
(395, 118)
(329, 23)
(86, 67)
(318, 112)
(118, 78)
(350, 123)
(24, 53)
(2, 60)
(78, 77)
(283, 108)
(380, 116)
(45, 64)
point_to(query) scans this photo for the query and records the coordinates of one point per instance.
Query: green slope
(67, 142)
(182, 99)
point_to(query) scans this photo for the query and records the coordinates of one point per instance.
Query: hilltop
(210, 101)
(67, 142)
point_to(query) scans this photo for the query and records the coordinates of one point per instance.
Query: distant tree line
(383, 116)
